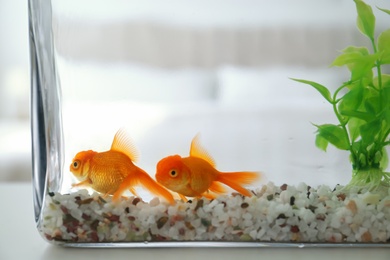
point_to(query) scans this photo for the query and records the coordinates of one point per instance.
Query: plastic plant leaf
(386, 116)
(363, 50)
(349, 55)
(363, 69)
(322, 89)
(369, 131)
(372, 105)
(351, 100)
(385, 82)
(384, 10)
(359, 62)
(384, 47)
(356, 146)
(354, 125)
(385, 159)
(321, 142)
(365, 116)
(366, 19)
(385, 97)
(335, 135)
(346, 58)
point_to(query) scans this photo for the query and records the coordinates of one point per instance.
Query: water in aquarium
(210, 121)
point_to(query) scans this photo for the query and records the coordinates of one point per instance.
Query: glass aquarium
(210, 123)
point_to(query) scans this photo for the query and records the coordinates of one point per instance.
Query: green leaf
(366, 19)
(385, 81)
(350, 54)
(386, 116)
(372, 105)
(369, 131)
(384, 10)
(322, 89)
(321, 142)
(359, 61)
(367, 117)
(363, 69)
(384, 47)
(385, 94)
(357, 146)
(384, 97)
(351, 100)
(385, 159)
(347, 58)
(335, 135)
(350, 49)
(354, 125)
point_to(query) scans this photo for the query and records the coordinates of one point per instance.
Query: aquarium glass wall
(210, 122)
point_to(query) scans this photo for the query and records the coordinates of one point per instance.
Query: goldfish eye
(76, 164)
(173, 173)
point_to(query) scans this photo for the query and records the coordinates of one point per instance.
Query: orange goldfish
(113, 172)
(196, 175)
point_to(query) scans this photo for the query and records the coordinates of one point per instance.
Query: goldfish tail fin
(235, 180)
(132, 190)
(154, 187)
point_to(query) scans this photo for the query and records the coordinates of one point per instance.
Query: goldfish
(197, 176)
(113, 172)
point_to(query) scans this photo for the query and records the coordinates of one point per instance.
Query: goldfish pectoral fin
(208, 195)
(117, 195)
(198, 151)
(82, 183)
(217, 188)
(183, 198)
(127, 184)
(123, 143)
(105, 195)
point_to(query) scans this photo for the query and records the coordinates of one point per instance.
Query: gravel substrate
(275, 214)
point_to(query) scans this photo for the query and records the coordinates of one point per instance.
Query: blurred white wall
(14, 59)
(15, 158)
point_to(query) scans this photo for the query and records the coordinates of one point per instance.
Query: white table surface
(20, 240)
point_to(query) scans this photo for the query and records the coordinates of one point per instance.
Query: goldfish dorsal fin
(198, 151)
(123, 143)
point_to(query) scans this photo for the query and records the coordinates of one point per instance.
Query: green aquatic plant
(361, 105)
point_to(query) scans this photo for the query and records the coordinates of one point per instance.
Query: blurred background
(228, 52)
(15, 156)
